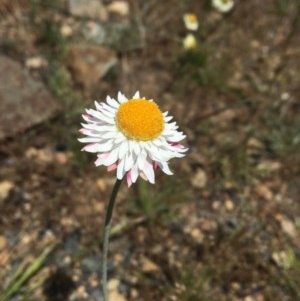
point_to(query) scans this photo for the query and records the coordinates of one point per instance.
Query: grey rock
(94, 33)
(120, 35)
(91, 264)
(24, 101)
(72, 241)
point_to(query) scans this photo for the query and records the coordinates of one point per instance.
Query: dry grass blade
(24, 273)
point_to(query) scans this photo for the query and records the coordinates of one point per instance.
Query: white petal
(168, 118)
(108, 113)
(159, 154)
(98, 106)
(165, 168)
(141, 160)
(120, 169)
(171, 125)
(89, 139)
(136, 95)
(128, 162)
(119, 138)
(159, 142)
(136, 148)
(101, 116)
(149, 172)
(109, 135)
(121, 98)
(99, 128)
(112, 102)
(123, 149)
(176, 138)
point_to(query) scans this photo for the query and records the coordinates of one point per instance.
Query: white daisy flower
(131, 136)
(189, 42)
(190, 21)
(223, 6)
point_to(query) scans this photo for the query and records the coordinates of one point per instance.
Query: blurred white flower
(189, 42)
(223, 6)
(190, 21)
(132, 136)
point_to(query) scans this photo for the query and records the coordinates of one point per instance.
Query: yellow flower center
(140, 119)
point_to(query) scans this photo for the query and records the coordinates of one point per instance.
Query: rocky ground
(226, 225)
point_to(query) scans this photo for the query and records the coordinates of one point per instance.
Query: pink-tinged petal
(98, 147)
(112, 167)
(91, 148)
(134, 173)
(101, 158)
(112, 158)
(128, 178)
(90, 134)
(91, 119)
(86, 115)
(176, 144)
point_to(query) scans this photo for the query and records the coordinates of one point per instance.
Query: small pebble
(5, 188)
(3, 242)
(229, 205)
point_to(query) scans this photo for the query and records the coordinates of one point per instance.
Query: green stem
(107, 225)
